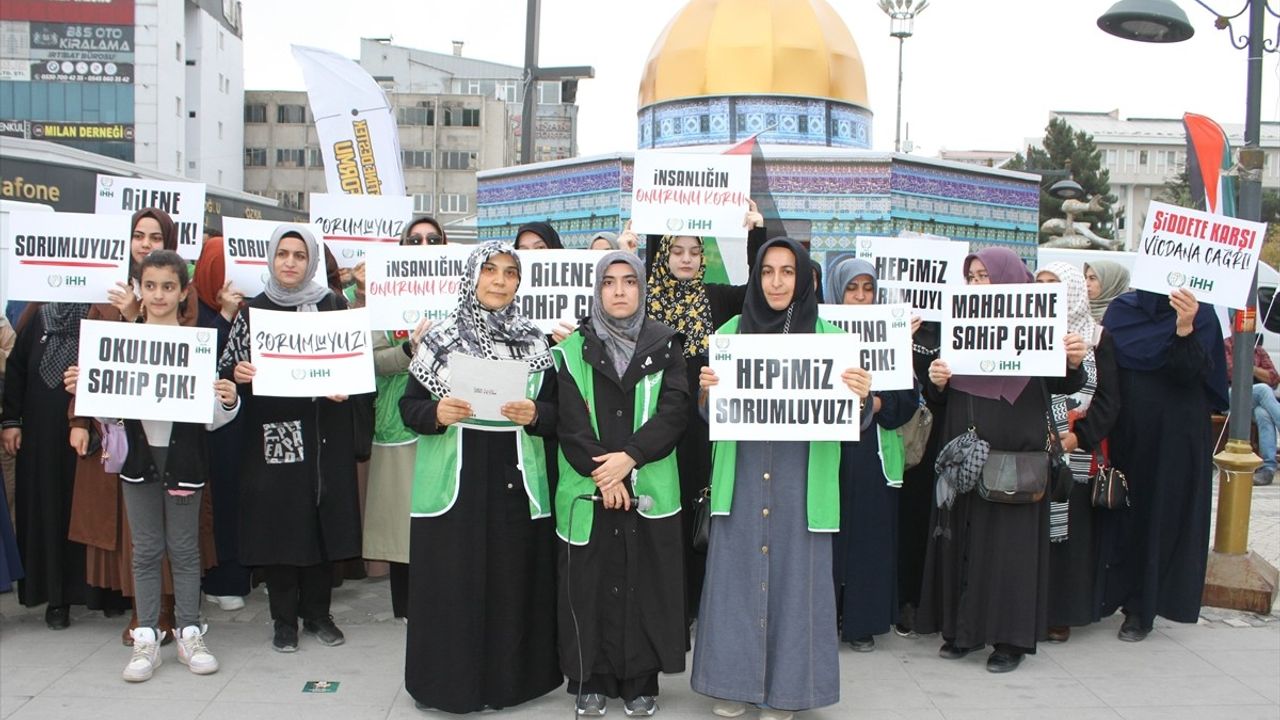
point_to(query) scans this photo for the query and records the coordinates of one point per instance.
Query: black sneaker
(863, 644)
(591, 705)
(1131, 630)
(57, 617)
(951, 651)
(325, 631)
(285, 639)
(642, 706)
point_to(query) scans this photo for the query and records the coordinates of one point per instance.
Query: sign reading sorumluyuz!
(783, 388)
(556, 285)
(1213, 256)
(409, 283)
(352, 224)
(311, 354)
(913, 270)
(183, 201)
(1016, 329)
(677, 193)
(146, 372)
(884, 334)
(65, 257)
(244, 250)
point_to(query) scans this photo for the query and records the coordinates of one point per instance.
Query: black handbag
(701, 532)
(1019, 477)
(1108, 487)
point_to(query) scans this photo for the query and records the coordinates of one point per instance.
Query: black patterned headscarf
(680, 304)
(472, 329)
(61, 323)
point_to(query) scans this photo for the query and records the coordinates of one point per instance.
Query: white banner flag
(303, 354)
(65, 257)
(355, 123)
(244, 250)
(354, 223)
(146, 372)
(183, 201)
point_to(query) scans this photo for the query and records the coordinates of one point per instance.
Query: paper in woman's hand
(487, 384)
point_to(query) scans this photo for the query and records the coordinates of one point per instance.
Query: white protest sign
(65, 257)
(1015, 329)
(244, 250)
(1213, 256)
(884, 335)
(183, 201)
(556, 285)
(783, 388)
(409, 283)
(677, 193)
(146, 372)
(351, 224)
(913, 270)
(311, 354)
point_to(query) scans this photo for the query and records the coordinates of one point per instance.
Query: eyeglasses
(429, 238)
(977, 277)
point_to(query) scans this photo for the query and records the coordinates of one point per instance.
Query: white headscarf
(1079, 317)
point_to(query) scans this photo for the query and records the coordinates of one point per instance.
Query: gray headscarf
(1114, 279)
(308, 293)
(844, 271)
(609, 237)
(619, 335)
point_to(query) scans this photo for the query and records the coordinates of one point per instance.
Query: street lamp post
(1235, 578)
(534, 74)
(902, 19)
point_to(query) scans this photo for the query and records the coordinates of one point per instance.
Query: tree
(1062, 145)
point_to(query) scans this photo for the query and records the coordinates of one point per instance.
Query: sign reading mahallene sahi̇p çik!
(183, 201)
(313, 354)
(146, 372)
(1016, 329)
(913, 270)
(884, 337)
(690, 194)
(354, 223)
(776, 388)
(65, 257)
(405, 284)
(244, 250)
(556, 285)
(1213, 256)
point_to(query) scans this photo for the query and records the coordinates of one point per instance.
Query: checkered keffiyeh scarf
(959, 466)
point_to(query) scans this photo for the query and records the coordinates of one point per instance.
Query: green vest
(388, 427)
(823, 486)
(659, 479)
(438, 467)
(892, 456)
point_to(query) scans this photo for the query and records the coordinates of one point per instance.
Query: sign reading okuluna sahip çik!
(884, 335)
(1016, 329)
(676, 193)
(146, 372)
(774, 387)
(1213, 256)
(65, 257)
(311, 354)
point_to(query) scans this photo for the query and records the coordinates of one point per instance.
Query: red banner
(105, 12)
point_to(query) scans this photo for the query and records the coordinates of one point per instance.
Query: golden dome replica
(723, 70)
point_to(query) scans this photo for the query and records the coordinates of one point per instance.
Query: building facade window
(255, 157)
(315, 158)
(177, 106)
(291, 157)
(422, 202)
(219, 129)
(1142, 157)
(416, 158)
(291, 114)
(454, 203)
(291, 199)
(455, 160)
(415, 115)
(177, 51)
(255, 113)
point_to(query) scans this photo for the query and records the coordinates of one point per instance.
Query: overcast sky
(980, 74)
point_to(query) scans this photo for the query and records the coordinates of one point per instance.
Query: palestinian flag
(1208, 157)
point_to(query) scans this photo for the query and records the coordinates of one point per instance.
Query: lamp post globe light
(1235, 577)
(902, 19)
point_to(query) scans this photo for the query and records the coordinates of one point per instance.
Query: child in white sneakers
(164, 473)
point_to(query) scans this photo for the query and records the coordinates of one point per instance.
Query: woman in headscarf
(1083, 420)
(34, 422)
(623, 406)
(604, 240)
(538, 236)
(482, 574)
(228, 583)
(1172, 378)
(679, 297)
(1106, 281)
(768, 604)
(987, 565)
(104, 533)
(299, 509)
(871, 469)
(386, 524)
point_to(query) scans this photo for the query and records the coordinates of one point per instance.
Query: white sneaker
(146, 655)
(728, 708)
(226, 602)
(193, 653)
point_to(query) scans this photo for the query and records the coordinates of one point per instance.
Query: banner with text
(1213, 256)
(65, 257)
(355, 123)
(244, 250)
(354, 223)
(1016, 329)
(913, 270)
(182, 200)
(674, 193)
(556, 285)
(776, 388)
(884, 336)
(146, 372)
(406, 284)
(314, 354)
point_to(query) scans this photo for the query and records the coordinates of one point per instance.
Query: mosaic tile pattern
(721, 120)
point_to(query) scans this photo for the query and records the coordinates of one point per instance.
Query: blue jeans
(1266, 413)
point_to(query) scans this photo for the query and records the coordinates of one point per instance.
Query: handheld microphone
(641, 503)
